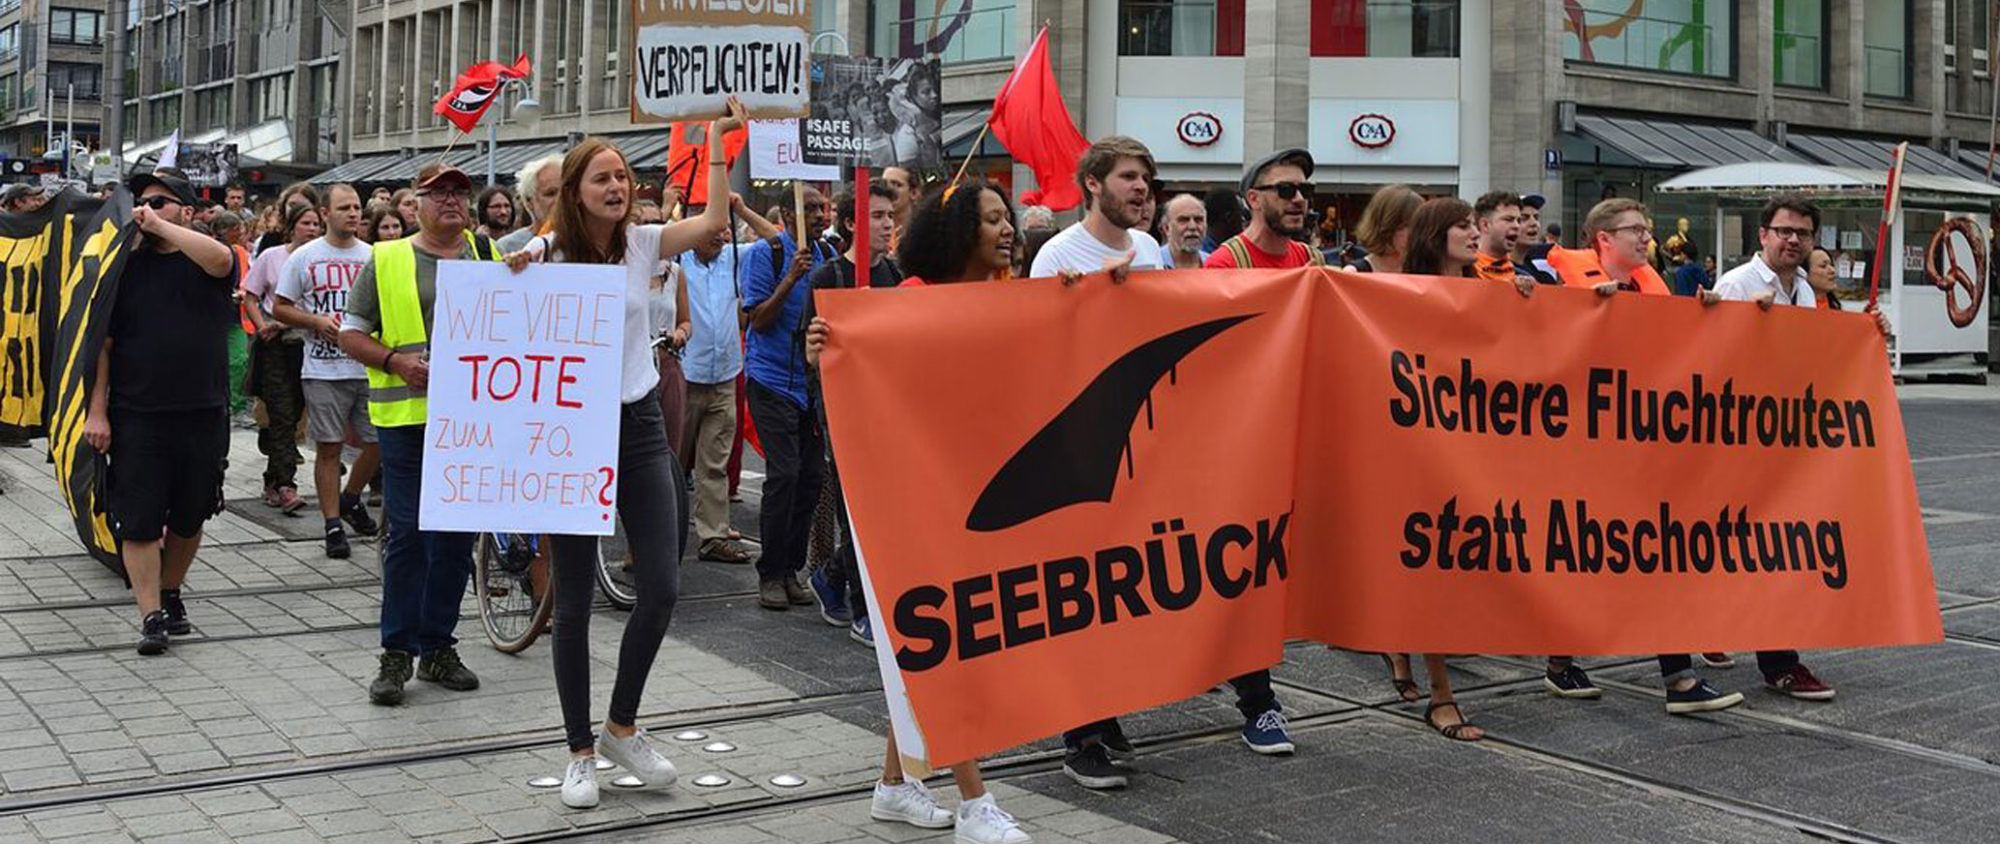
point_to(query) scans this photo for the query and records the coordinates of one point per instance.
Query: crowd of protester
(305, 316)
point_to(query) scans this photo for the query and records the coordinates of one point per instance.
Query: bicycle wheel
(614, 579)
(509, 609)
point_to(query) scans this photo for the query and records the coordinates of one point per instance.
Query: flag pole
(447, 147)
(968, 156)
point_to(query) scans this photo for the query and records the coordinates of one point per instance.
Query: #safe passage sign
(523, 431)
(690, 55)
(1106, 498)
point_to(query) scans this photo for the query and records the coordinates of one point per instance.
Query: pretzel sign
(1955, 276)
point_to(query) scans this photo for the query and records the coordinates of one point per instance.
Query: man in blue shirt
(711, 361)
(774, 301)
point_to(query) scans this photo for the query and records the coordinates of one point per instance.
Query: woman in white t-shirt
(593, 225)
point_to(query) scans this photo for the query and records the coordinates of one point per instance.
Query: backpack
(1239, 249)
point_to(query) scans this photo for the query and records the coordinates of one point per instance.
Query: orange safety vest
(243, 308)
(1581, 268)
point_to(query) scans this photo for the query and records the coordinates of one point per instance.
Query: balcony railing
(1675, 46)
(982, 35)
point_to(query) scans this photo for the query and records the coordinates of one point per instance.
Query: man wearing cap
(389, 310)
(1280, 198)
(1531, 253)
(162, 392)
(23, 198)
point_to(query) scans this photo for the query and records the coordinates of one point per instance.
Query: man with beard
(1531, 254)
(1279, 196)
(1187, 226)
(774, 303)
(162, 391)
(1116, 175)
(1498, 214)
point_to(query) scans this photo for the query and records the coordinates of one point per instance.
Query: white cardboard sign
(776, 154)
(524, 394)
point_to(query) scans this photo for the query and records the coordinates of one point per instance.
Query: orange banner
(1099, 499)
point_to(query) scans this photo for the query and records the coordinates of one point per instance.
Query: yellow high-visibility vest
(391, 402)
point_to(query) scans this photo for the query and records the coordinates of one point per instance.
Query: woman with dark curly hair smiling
(966, 235)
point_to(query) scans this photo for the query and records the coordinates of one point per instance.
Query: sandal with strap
(1455, 732)
(1405, 688)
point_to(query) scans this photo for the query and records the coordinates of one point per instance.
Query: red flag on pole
(466, 102)
(687, 158)
(1030, 119)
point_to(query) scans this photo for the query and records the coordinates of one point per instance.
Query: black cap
(1533, 200)
(1295, 156)
(180, 187)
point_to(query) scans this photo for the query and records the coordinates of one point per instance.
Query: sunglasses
(1287, 191)
(160, 203)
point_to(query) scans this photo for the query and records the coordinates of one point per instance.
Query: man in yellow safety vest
(386, 328)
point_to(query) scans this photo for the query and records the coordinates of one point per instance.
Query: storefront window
(1180, 28)
(1799, 41)
(964, 31)
(1885, 45)
(1677, 36)
(1385, 28)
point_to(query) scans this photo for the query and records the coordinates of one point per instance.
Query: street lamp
(528, 111)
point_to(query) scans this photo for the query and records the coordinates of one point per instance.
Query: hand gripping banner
(1100, 499)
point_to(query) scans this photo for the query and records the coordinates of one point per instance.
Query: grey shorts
(333, 408)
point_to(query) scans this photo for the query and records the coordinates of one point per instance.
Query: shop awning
(1673, 144)
(1975, 157)
(356, 170)
(961, 126)
(644, 150)
(1761, 179)
(1869, 153)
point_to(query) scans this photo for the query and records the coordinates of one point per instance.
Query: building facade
(261, 74)
(49, 50)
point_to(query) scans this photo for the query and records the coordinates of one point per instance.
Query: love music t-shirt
(318, 278)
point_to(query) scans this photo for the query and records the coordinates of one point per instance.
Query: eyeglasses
(442, 194)
(1788, 233)
(160, 203)
(1645, 231)
(1287, 191)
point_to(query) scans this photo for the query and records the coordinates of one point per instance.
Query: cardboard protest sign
(874, 112)
(775, 153)
(523, 428)
(690, 55)
(1209, 465)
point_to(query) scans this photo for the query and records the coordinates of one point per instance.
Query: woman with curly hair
(966, 235)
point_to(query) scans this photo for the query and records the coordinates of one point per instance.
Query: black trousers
(1253, 698)
(794, 463)
(1772, 664)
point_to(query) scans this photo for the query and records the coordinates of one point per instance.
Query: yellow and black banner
(62, 269)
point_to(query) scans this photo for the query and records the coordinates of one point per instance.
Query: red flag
(1030, 119)
(466, 102)
(687, 158)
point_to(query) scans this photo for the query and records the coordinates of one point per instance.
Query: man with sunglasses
(386, 328)
(162, 391)
(1280, 200)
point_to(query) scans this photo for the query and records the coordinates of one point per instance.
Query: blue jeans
(424, 573)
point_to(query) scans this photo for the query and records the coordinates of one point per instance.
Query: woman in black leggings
(593, 226)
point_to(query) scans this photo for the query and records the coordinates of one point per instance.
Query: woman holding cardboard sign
(593, 225)
(965, 235)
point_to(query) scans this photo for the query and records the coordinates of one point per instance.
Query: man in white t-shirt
(312, 296)
(1116, 174)
(1776, 275)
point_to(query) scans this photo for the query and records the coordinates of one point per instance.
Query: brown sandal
(1406, 688)
(1455, 732)
(721, 551)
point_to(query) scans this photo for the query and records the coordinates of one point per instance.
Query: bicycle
(516, 595)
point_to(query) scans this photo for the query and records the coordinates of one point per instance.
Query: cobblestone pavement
(257, 728)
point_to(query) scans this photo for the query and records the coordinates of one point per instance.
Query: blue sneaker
(1701, 697)
(832, 602)
(861, 631)
(1267, 734)
(1571, 683)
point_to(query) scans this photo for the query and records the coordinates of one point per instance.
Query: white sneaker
(983, 822)
(580, 783)
(636, 755)
(909, 802)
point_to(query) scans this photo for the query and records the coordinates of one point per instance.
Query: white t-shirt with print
(317, 278)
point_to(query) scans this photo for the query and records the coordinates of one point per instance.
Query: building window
(76, 26)
(10, 40)
(7, 93)
(1799, 42)
(1180, 28)
(969, 31)
(1885, 47)
(1385, 28)
(1694, 37)
(87, 80)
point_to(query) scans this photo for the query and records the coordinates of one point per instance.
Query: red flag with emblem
(477, 88)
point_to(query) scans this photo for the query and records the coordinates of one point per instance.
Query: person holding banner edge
(964, 235)
(593, 224)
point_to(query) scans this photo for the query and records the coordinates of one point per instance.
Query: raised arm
(694, 231)
(208, 253)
